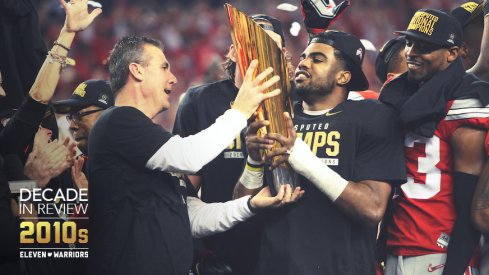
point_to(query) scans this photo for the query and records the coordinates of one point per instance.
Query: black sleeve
(381, 150)
(9, 230)
(134, 136)
(186, 120)
(21, 56)
(22, 127)
(464, 237)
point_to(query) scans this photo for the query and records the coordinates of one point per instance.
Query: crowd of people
(196, 34)
(389, 147)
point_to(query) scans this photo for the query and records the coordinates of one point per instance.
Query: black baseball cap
(385, 54)
(467, 12)
(276, 25)
(92, 92)
(435, 27)
(353, 50)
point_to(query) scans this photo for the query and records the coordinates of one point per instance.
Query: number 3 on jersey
(428, 176)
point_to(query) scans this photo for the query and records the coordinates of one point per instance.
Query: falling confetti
(295, 29)
(287, 7)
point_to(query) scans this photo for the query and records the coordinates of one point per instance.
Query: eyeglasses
(76, 117)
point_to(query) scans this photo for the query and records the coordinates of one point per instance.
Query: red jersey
(363, 95)
(424, 214)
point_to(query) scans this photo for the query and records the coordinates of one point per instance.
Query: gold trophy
(252, 42)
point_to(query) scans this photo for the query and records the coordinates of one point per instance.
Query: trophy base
(283, 175)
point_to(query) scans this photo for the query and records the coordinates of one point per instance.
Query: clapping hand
(77, 173)
(48, 158)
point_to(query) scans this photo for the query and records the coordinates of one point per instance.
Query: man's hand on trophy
(318, 15)
(252, 91)
(254, 142)
(285, 195)
(277, 156)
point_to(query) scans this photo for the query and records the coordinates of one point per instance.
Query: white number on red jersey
(426, 165)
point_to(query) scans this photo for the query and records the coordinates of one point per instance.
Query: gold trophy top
(251, 42)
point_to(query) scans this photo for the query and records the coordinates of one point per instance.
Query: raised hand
(77, 16)
(318, 15)
(251, 94)
(284, 197)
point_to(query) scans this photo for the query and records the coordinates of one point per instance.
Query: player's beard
(312, 92)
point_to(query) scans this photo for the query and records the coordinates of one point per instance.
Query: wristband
(314, 169)
(56, 43)
(252, 176)
(254, 162)
(62, 60)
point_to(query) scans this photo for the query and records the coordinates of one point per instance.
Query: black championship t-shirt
(360, 140)
(138, 218)
(200, 108)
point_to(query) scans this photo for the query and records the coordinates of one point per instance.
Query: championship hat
(92, 92)
(467, 12)
(353, 50)
(435, 27)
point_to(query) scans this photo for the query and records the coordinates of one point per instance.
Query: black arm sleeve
(9, 230)
(22, 127)
(464, 236)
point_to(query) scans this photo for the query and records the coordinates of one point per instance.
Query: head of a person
(271, 25)
(84, 107)
(433, 40)
(470, 15)
(391, 61)
(332, 60)
(138, 64)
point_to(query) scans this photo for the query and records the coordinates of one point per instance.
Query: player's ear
(343, 78)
